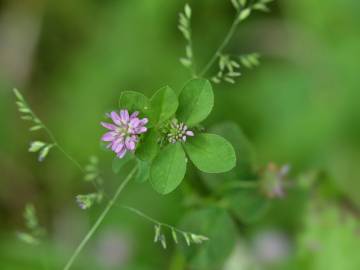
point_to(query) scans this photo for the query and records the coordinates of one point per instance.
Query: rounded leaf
(196, 101)
(211, 153)
(168, 169)
(246, 164)
(163, 104)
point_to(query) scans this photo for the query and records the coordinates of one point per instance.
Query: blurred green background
(71, 59)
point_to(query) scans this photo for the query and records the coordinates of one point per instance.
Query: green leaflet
(164, 104)
(143, 171)
(168, 168)
(196, 101)
(211, 153)
(149, 146)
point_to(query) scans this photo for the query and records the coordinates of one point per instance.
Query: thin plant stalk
(222, 46)
(99, 220)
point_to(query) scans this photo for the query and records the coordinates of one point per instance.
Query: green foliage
(184, 26)
(119, 163)
(329, 240)
(196, 101)
(188, 237)
(168, 168)
(85, 201)
(250, 60)
(248, 205)
(92, 172)
(134, 101)
(26, 113)
(34, 232)
(167, 163)
(228, 70)
(164, 104)
(211, 153)
(246, 164)
(216, 224)
(143, 171)
(149, 146)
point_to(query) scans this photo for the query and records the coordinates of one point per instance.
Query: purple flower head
(178, 132)
(124, 133)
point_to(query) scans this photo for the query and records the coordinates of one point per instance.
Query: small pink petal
(189, 133)
(134, 115)
(144, 121)
(116, 118)
(134, 122)
(142, 130)
(124, 115)
(130, 144)
(108, 126)
(115, 144)
(119, 148)
(122, 153)
(108, 137)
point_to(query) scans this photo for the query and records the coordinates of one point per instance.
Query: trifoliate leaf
(211, 153)
(196, 101)
(168, 168)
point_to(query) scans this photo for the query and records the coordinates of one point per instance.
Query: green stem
(222, 45)
(52, 137)
(150, 219)
(99, 220)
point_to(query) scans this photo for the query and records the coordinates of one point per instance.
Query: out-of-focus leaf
(248, 205)
(216, 224)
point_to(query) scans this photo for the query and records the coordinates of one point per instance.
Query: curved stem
(99, 220)
(222, 46)
(68, 156)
